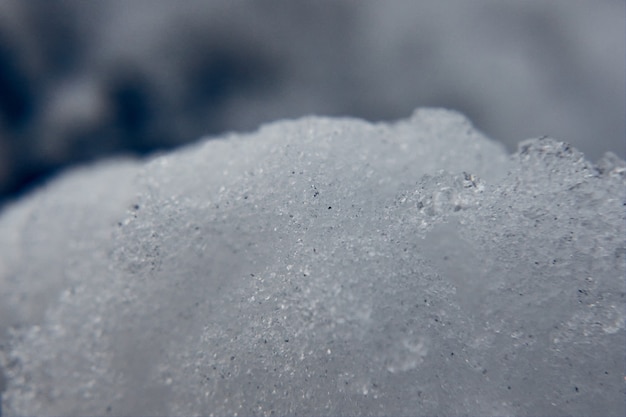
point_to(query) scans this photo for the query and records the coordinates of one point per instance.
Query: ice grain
(321, 267)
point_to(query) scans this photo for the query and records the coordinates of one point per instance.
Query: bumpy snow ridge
(321, 267)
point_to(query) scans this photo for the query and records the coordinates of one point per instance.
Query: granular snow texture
(321, 267)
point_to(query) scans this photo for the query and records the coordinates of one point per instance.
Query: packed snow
(321, 267)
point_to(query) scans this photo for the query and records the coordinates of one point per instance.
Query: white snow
(321, 267)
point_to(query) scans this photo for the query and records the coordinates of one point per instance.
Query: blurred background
(82, 80)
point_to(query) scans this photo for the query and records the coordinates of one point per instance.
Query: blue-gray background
(86, 80)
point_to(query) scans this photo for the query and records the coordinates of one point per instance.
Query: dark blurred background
(81, 80)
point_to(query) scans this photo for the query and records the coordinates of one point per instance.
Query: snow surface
(321, 267)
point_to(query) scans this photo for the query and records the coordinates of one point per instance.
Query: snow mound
(321, 267)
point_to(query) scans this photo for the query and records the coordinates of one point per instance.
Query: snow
(87, 80)
(321, 267)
